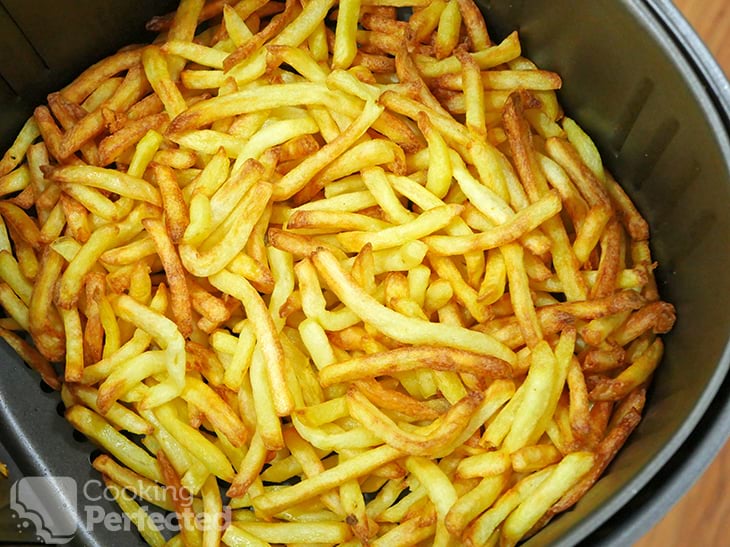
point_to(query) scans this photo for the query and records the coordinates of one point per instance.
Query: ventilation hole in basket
(94, 454)
(658, 143)
(79, 437)
(628, 118)
(46, 388)
(61, 409)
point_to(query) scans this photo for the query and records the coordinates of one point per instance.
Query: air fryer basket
(640, 82)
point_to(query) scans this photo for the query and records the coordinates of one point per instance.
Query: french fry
(180, 296)
(95, 427)
(146, 526)
(360, 271)
(397, 326)
(566, 474)
(272, 502)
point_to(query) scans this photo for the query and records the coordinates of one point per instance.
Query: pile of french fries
(356, 266)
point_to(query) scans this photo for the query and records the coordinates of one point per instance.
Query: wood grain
(700, 517)
(711, 20)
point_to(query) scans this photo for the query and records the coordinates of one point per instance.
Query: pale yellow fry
(345, 47)
(15, 154)
(398, 326)
(567, 473)
(474, 502)
(438, 486)
(111, 180)
(212, 520)
(297, 532)
(380, 188)
(520, 294)
(98, 429)
(236, 537)
(199, 54)
(537, 389)
(585, 147)
(268, 424)
(147, 527)
(11, 274)
(158, 73)
(205, 262)
(448, 31)
(166, 335)
(424, 224)
(483, 527)
(118, 415)
(522, 223)
(195, 442)
(362, 464)
(482, 465)
(298, 177)
(73, 277)
(490, 57)
(266, 335)
(252, 100)
(74, 334)
(236, 27)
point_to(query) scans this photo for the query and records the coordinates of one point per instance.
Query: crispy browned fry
(601, 360)
(589, 186)
(610, 262)
(317, 185)
(220, 415)
(411, 358)
(277, 23)
(97, 74)
(448, 427)
(134, 482)
(160, 23)
(605, 452)
(628, 214)
(579, 411)
(207, 304)
(132, 89)
(658, 317)
(182, 500)
(21, 224)
(176, 275)
(68, 114)
(111, 147)
(520, 141)
(49, 130)
(298, 245)
(94, 287)
(204, 360)
(396, 400)
(633, 376)
(176, 210)
(555, 317)
(298, 148)
(476, 29)
(44, 321)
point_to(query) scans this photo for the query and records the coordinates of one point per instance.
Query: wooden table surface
(700, 517)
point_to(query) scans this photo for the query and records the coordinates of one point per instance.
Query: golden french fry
(259, 243)
(397, 326)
